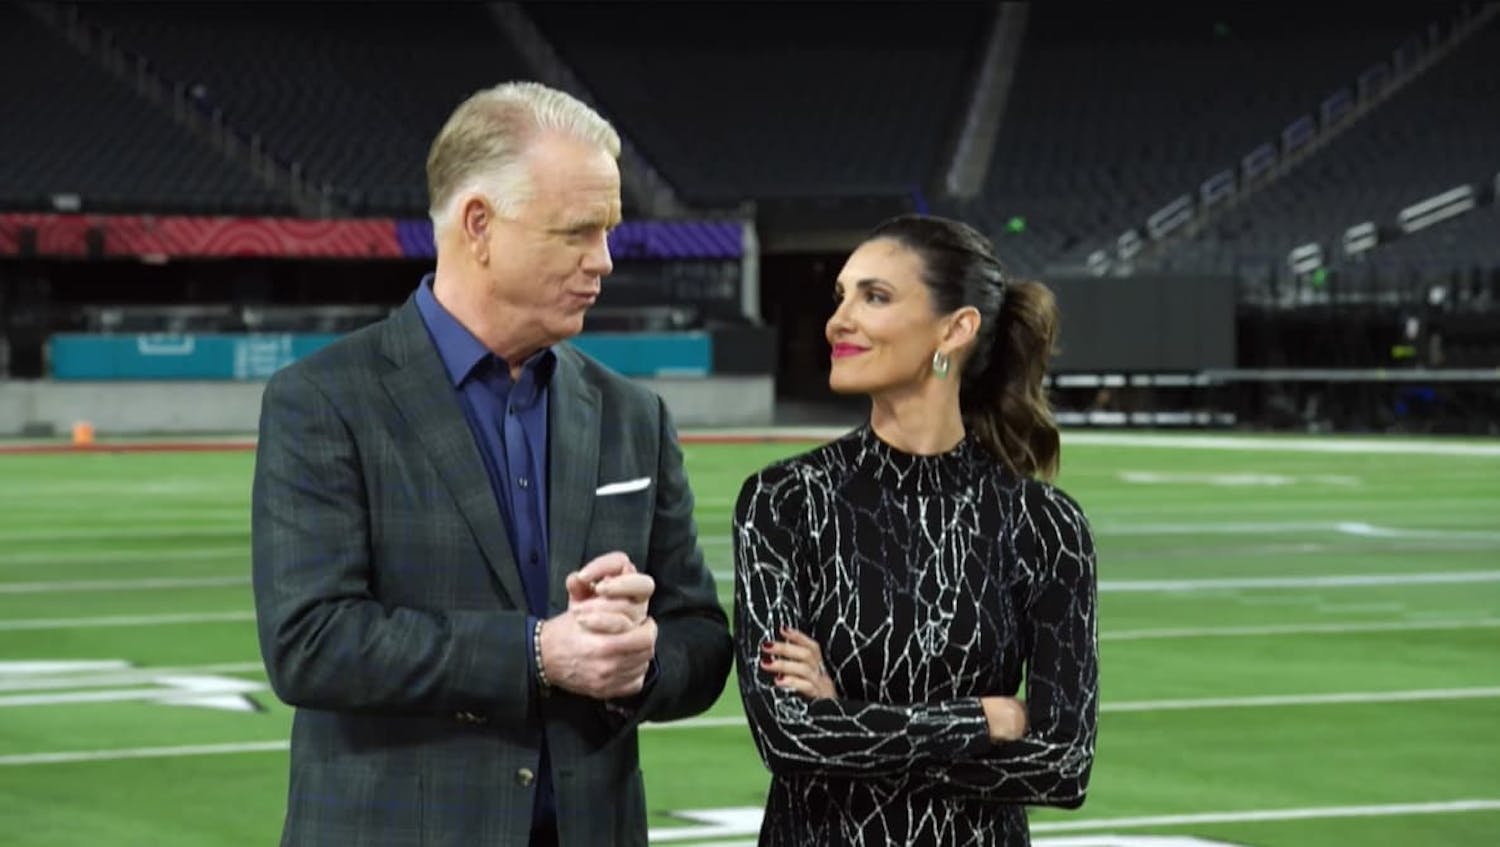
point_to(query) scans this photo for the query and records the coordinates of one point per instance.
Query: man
(476, 568)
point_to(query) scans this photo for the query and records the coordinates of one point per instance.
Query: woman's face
(885, 328)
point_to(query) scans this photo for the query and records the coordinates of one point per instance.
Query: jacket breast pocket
(623, 512)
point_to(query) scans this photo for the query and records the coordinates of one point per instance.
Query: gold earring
(940, 364)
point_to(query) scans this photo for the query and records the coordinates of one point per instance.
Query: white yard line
(1357, 446)
(1329, 581)
(144, 753)
(165, 531)
(1299, 629)
(726, 579)
(124, 621)
(1354, 528)
(118, 695)
(1277, 700)
(84, 678)
(746, 821)
(52, 557)
(1259, 815)
(1261, 702)
(1423, 695)
(142, 584)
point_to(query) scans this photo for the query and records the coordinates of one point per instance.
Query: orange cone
(83, 434)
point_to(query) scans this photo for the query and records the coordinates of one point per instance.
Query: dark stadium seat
(72, 129)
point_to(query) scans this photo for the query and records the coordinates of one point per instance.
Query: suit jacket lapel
(419, 387)
(573, 471)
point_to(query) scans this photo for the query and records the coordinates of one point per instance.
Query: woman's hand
(1006, 717)
(797, 663)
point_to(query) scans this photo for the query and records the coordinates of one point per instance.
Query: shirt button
(522, 482)
(524, 777)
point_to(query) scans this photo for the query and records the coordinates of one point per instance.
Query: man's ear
(475, 218)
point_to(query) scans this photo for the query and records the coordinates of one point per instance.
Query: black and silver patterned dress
(929, 581)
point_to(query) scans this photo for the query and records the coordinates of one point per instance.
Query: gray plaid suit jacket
(391, 613)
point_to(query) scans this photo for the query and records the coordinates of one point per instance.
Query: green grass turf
(1159, 514)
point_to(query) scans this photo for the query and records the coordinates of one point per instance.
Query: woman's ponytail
(1005, 400)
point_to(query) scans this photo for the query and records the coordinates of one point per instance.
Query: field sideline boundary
(797, 435)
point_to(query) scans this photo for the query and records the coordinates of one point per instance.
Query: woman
(892, 587)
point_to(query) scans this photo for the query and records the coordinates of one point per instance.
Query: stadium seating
(72, 129)
(815, 100)
(354, 93)
(1115, 113)
(1442, 131)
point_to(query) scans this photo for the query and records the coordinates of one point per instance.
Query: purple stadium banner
(631, 240)
(176, 236)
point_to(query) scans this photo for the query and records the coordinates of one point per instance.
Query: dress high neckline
(911, 473)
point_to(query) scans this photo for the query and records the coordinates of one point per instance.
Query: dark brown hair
(1001, 392)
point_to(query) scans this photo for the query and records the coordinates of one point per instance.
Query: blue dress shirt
(509, 421)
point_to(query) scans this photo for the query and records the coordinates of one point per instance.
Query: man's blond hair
(480, 148)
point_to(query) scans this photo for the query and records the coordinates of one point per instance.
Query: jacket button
(525, 777)
(470, 717)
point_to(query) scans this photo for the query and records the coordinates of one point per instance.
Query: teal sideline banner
(257, 356)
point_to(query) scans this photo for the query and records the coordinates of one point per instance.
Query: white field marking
(698, 723)
(710, 823)
(1116, 527)
(1359, 608)
(125, 621)
(1304, 599)
(79, 675)
(179, 690)
(1366, 530)
(695, 723)
(746, 820)
(1331, 581)
(1259, 815)
(143, 584)
(1238, 479)
(1216, 528)
(1299, 629)
(1332, 444)
(167, 532)
(1357, 446)
(130, 487)
(1258, 702)
(1443, 614)
(1230, 508)
(1106, 840)
(144, 753)
(1274, 700)
(45, 557)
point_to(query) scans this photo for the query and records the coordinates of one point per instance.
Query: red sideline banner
(161, 237)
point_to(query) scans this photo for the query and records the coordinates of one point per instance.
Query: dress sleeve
(833, 737)
(1050, 765)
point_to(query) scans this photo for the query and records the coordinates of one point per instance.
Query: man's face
(548, 260)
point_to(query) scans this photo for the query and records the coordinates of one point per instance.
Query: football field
(1300, 646)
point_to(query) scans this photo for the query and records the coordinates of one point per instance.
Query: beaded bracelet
(536, 646)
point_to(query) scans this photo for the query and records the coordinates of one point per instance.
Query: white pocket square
(625, 487)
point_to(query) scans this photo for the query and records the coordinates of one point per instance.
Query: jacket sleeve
(327, 640)
(692, 644)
